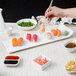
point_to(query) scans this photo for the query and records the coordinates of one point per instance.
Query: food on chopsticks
(42, 29)
(71, 66)
(14, 42)
(35, 37)
(28, 37)
(41, 61)
(20, 40)
(48, 35)
(56, 32)
(26, 24)
(65, 33)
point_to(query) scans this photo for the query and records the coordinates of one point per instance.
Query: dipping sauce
(10, 62)
(12, 57)
(71, 45)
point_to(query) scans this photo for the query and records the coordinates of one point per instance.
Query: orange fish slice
(58, 32)
(14, 42)
(20, 40)
(54, 32)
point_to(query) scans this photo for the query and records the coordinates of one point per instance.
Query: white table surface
(55, 51)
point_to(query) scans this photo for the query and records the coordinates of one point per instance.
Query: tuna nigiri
(28, 37)
(14, 42)
(20, 40)
(35, 37)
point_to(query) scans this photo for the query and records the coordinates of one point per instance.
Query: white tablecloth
(55, 51)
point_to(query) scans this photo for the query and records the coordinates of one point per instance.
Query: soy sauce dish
(12, 60)
(71, 46)
(27, 24)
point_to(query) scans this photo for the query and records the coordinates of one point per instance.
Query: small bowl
(70, 49)
(38, 66)
(12, 65)
(71, 72)
(27, 20)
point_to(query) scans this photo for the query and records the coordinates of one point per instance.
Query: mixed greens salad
(26, 24)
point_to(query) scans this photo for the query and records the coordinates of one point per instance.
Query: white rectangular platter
(41, 40)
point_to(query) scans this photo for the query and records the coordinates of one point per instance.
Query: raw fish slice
(35, 37)
(58, 32)
(14, 42)
(20, 40)
(54, 32)
(28, 37)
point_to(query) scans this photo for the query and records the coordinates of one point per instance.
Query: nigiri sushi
(28, 37)
(42, 29)
(14, 42)
(35, 37)
(20, 40)
(58, 32)
(48, 35)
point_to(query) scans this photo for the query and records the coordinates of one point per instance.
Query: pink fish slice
(35, 37)
(28, 37)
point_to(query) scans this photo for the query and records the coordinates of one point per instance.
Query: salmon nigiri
(14, 42)
(35, 37)
(54, 32)
(58, 32)
(20, 40)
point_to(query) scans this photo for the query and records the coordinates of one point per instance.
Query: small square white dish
(38, 66)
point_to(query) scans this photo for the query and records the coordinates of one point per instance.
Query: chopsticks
(51, 4)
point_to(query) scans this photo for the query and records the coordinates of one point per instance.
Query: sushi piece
(28, 37)
(14, 42)
(65, 33)
(42, 29)
(48, 35)
(20, 40)
(35, 37)
(54, 32)
(58, 32)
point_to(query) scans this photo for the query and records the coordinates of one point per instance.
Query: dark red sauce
(12, 57)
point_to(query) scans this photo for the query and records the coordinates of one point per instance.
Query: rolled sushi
(48, 35)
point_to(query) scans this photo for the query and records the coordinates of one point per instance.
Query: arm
(71, 12)
(58, 12)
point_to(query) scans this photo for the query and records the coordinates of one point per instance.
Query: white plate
(27, 20)
(41, 40)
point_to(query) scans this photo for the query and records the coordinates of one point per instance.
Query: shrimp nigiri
(48, 35)
(42, 29)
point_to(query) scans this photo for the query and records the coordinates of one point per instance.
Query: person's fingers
(46, 12)
(50, 13)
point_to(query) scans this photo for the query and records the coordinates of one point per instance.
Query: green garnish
(65, 33)
(25, 24)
